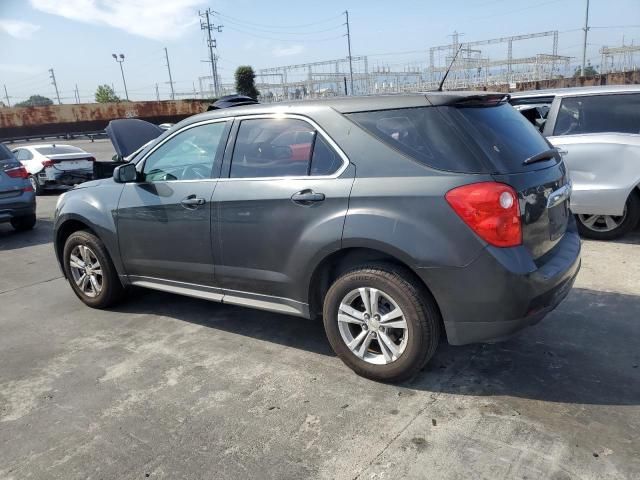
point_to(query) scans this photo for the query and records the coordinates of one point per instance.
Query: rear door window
(619, 113)
(281, 147)
(478, 139)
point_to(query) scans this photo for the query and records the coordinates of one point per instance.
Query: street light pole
(120, 60)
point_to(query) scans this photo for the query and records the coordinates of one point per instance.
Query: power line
(238, 20)
(301, 40)
(312, 32)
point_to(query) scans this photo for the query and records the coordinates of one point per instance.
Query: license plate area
(558, 219)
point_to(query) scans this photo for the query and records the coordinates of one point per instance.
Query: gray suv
(395, 219)
(17, 198)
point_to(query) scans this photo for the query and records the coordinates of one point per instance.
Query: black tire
(420, 312)
(26, 222)
(627, 225)
(112, 291)
(37, 188)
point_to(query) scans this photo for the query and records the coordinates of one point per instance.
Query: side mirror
(125, 173)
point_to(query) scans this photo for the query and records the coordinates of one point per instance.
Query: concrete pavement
(172, 387)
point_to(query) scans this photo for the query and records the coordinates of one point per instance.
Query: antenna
(449, 69)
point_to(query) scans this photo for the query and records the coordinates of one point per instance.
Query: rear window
(487, 139)
(598, 114)
(58, 150)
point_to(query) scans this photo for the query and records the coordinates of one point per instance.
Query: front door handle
(192, 201)
(307, 197)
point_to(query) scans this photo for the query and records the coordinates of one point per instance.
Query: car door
(595, 134)
(281, 208)
(164, 219)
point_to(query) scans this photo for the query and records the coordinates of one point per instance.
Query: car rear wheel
(90, 271)
(609, 227)
(26, 222)
(37, 188)
(381, 323)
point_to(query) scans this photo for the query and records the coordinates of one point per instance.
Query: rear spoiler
(489, 100)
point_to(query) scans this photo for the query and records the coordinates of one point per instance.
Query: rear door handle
(192, 201)
(307, 197)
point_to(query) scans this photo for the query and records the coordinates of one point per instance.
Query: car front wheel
(609, 227)
(90, 271)
(381, 323)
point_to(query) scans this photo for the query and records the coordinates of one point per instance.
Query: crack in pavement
(31, 284)
(433, 400)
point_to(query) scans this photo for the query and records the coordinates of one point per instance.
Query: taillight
(27, 189)
(17, 172)
(491, 210)
(48, 163)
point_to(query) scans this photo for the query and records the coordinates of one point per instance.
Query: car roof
(577, 91)
(359, 103)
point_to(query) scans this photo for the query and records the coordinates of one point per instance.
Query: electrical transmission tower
(55, 85)
(206, 24)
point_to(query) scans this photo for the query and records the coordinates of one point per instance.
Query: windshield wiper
(539, 157)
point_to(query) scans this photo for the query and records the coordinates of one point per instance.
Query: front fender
(95, 208)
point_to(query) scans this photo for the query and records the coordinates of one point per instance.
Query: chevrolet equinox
(394, 219)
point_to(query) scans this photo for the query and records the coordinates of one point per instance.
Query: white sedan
(55, 165)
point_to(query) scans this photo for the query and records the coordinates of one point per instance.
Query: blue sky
(77, 37)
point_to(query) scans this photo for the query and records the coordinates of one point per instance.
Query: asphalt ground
(171, 387)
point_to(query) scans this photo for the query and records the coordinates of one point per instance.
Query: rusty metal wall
(614, 78)
(20, 122)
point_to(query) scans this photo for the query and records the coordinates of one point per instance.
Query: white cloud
(287, 51)
(158, 20)
(18, 28)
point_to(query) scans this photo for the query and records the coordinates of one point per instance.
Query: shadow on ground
(10, 239)
(585, 352)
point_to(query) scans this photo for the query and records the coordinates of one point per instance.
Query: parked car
(17, 199)
(599, 129)
(54, 165)
(411, 217)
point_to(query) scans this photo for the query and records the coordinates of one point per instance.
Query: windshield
(58, 150)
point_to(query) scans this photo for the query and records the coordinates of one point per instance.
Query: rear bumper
(55, 177)
(20, 206)
(503, 290)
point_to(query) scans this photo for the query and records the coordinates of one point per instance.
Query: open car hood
(129, 134)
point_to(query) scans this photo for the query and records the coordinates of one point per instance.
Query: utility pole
(211, 42)
(584, 46)
(157, 93)
(6, 95)
(166, 55)
(53, 82)
(120, 60)
(346, 13)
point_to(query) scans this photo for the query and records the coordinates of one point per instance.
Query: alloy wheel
(603, 223)
(372, 325)
(86, 270)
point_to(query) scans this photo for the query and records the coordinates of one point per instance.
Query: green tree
(245, 81)
(105, 94)
(35, 101)
(589, 71)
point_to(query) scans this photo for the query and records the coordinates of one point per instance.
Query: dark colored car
(409, 217)
(17, 198)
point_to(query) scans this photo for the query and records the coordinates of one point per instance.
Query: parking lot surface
(172, 387)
